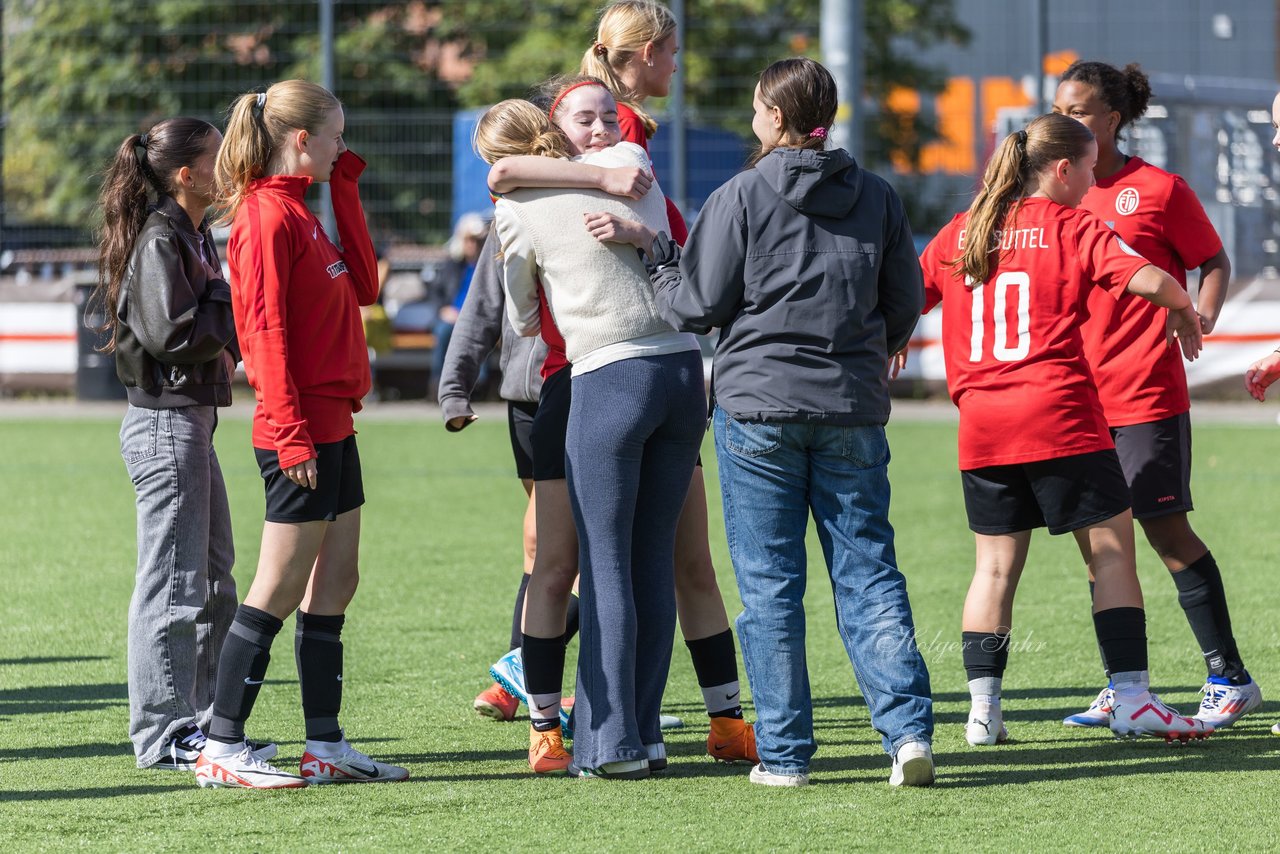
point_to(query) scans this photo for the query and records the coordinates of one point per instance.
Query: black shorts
(1063, 495)
(1156, 458)
(339, 487)
(551, 426)
(520, 416)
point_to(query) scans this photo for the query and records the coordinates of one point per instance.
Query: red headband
(551, 113)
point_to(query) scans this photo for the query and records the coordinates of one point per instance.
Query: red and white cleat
(243, 770)
(350, 766)
(1145, 714)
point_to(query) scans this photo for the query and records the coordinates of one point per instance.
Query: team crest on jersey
(1127, 201)
(336, 269)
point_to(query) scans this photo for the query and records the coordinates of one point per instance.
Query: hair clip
(818, 133)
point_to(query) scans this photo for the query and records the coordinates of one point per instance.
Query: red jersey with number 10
(1015, 361)
(1139, 378)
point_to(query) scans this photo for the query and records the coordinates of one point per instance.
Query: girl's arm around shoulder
(353, 230)
(173, 322)
(512, 173)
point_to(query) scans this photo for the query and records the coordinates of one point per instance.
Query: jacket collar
(176, 214)
(290, 185)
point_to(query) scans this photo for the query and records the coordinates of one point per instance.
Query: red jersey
(1015, 362)
(296, 300)
(1139, 378)
(632, 131)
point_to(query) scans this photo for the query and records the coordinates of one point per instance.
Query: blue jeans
(772, 476)
(184, 597)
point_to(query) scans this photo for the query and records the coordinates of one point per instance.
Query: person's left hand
(608, 228)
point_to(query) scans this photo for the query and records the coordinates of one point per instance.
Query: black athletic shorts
(1156, 458)
(1063, 495)
(520, 423)
(551, 426)
(339, 487)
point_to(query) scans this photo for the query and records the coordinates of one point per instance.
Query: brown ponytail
(141, 171)
(1010, 175)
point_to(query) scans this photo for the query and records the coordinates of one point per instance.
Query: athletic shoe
(912, 765)
(657, 756)
(566, 716)
(633, 769)
(1098, 714)
(732, 740)
(761, 777)
(546, 752)
(496, 702)
(1146, 714)
(1223, 705)
(351, 766)
(670, 722)
(1275, 729)
(986, 725)
(185, 746)
(243, 770)
(508, 672)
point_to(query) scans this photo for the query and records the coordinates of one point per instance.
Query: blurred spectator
(455, 278)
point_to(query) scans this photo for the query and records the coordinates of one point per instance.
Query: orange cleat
(497, 703)
(546, 752)
(732, 740)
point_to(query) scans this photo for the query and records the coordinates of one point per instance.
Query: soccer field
(441, 554)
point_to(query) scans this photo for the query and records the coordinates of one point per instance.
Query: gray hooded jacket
(807, 266)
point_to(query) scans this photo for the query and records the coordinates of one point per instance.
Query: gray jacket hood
(817, 183)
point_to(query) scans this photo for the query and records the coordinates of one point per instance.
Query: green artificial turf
(441, 557)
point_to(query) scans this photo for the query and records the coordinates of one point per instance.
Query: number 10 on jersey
(1003, 284)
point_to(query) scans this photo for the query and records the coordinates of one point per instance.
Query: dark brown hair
(141, 171)
(804, 92)
(1011, 174)
(1128, 92)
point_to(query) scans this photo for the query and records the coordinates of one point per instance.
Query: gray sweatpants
(635, 427)
(184, 597)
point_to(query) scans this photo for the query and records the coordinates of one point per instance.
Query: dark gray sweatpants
(635, 427)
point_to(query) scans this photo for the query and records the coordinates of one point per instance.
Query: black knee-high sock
(543, 679)
(242, 667)
(517, 616)
(1203, 599)
(317, 646)
(715, 661)
(1122, 637)
(571, 619)
(985, 654)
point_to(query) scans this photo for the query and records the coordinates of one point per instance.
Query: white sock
(544, 707)
(1131, 682)
(985, 689)
(722, 698)
(215, 749)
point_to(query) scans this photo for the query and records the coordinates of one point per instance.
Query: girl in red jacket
(296, 299)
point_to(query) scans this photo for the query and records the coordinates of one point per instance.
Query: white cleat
(1098, 714)
(761, 777)
(986, 725)
(1223, 705)
(350, 766)
(243, 770)
(1145, 714)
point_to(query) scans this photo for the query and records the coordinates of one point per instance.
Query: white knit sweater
(599, 293)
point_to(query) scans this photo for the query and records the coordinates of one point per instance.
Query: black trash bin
(95, 371)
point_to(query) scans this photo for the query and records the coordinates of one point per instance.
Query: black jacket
(175, 336)
(807, 266)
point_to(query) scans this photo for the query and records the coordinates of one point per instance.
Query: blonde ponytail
(625, 27)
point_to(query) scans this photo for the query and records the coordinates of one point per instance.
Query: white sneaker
(508, 672)
(1223, 705)
(1146, 714)
(1098, 714)
(912, 765)
(669, 722)
(767, 778)
(242, 770)
(657, 756)
(628, 769)
(986, 725)
(350, 766)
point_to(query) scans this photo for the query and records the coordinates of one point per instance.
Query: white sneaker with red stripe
(1145, 714)
(1223, 705)
(349, 766)
(242, 770)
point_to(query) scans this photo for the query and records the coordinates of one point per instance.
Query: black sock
(317, 647)
(1203, 599)
(543, 664)
(715, 661)
(1122, 637)
(242, 667)
(984, 654)
(571, 619)
(517, 617)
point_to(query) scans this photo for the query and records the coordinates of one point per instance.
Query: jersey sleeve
(1105, 259)
(1187, 227)
(934, 266)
